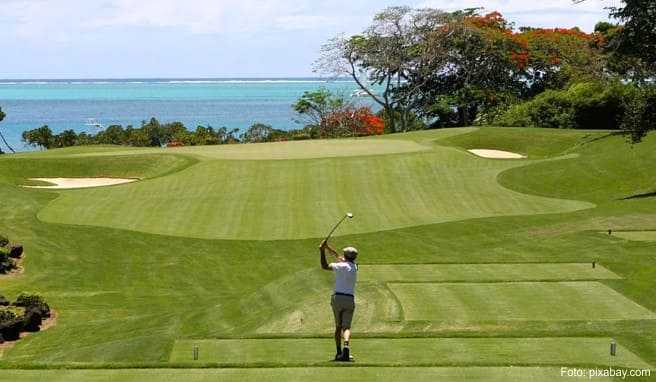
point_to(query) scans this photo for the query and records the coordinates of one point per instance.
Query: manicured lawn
(273, 200)
(583, 300)
(138, 272)
(411, 351)
(484, 272)
(637, 235)
(328, 374)
(329, 148)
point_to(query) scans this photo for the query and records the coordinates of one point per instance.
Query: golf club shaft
(335, 227)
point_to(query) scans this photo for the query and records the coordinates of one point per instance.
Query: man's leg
(347, 336)
(338, 327)
(338, 340)
(346, 351)
(347, 317)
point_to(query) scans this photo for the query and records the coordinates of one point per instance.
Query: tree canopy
(453, 67)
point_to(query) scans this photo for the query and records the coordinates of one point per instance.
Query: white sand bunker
(496, 154)
(69, 183)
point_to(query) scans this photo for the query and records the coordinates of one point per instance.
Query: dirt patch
(71, 183)
(45, 325)
(496, 154)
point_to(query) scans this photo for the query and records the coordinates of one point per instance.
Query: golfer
(343, 300)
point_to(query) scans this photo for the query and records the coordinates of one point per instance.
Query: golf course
(471, 268)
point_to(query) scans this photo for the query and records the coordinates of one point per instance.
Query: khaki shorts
(343, 308)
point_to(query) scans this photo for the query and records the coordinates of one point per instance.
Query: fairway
(321, 374)
(636, 235)
(468, 265)
(543, 301)
(215, 199)
(484, 272)
(411, 351)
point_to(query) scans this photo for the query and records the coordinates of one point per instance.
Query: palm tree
(2, 116)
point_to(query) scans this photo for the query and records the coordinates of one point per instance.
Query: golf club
(348, 215)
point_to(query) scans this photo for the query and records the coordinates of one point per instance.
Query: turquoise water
(234, 103)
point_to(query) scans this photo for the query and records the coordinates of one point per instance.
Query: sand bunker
(69, 183)
(496, 154)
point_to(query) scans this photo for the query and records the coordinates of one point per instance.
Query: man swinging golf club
(343, 300)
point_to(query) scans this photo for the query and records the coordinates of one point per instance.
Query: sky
(213, 38)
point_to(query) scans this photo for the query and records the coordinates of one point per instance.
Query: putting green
(530, 301)
(636, 235)
(304, 149)
(410, 351)
(483, 272)
(249, 200)
(320, 374)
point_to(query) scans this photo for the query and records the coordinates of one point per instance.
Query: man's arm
(324, 262)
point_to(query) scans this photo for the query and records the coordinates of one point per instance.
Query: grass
(533, 143)
(411, 351)
(636, 235)
(149, 264)
(527, 301)
(328, 374)
(331, 148)
(250, 199)
(484, 272)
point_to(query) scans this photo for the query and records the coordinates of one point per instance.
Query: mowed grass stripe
(410, 351)
(295, 199)
(325, 148)
(636, 235)
(528, 301)
(484, 272)
(319, 374)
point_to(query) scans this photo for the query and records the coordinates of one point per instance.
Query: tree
(637, 36)
(554, 58)
(66, 138)
(313, 107)
(640, 115)
(112, 135)
(353, 122)
(41, 137)
(474, 64)
(258, 132)
(385, 57)
(631, 44)
(2, 116)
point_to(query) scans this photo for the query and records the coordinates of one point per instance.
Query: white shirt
(346, 274)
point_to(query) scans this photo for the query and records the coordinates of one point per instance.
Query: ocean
(233, 103)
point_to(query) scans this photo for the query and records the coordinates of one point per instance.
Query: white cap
(350, 252)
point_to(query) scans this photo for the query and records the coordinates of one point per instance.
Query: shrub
(6, 263)
(3, 241)
(6, 316)
(4, 301)
(15, 251)
(32, 319)
(33, 302)
(585, 105)
(10, 330)
(27, 299)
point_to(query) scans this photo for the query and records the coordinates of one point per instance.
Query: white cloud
(543, 13)
(206, 16)
(213, 37)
